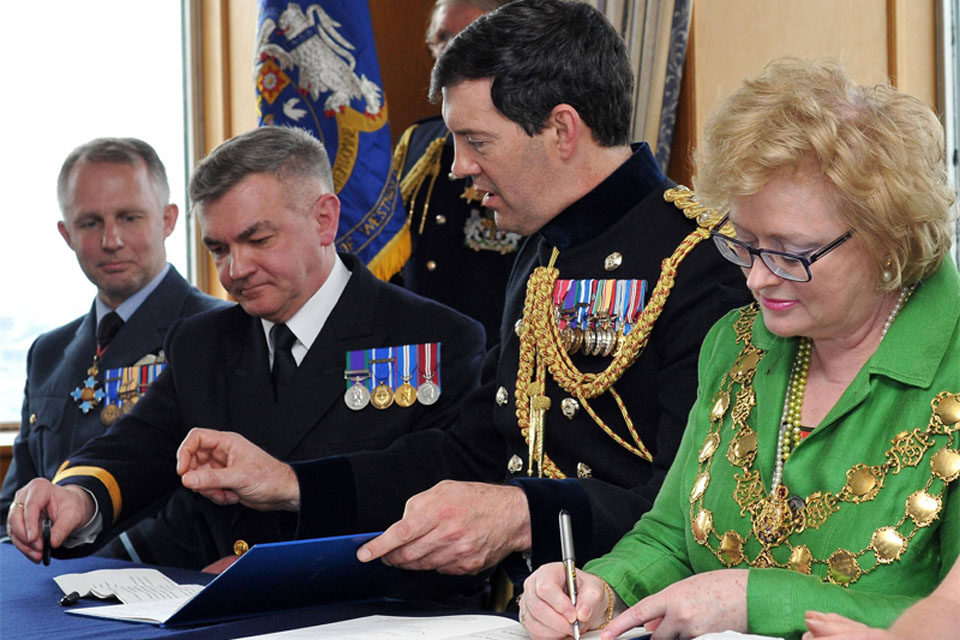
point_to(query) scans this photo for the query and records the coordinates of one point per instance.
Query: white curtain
(656, 35)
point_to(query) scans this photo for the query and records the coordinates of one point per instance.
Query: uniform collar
(916, 343)
(609, 201)
(127, 308)
(309, 319)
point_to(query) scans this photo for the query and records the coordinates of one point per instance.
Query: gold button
(584, 470)
(33, 418)
(612, 261)
(515, 464)
(240, 547)
(502, 396)
(441, 219)
(518, 326)
(431, 265)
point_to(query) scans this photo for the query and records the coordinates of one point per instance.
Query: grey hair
(118, 151)
(281, 152)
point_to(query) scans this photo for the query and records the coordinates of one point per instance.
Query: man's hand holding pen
(66, 507)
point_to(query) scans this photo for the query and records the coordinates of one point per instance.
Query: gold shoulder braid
(776, 517)
(427, 166)
(541, 348)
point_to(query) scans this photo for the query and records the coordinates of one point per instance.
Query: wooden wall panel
(734, 39)
(398, 29)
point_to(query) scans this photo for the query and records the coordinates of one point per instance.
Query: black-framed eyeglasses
(789, 266)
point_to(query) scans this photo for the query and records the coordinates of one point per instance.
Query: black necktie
(284, 366)
(110, 324)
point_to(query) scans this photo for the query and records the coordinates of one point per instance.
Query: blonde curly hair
(880, 149)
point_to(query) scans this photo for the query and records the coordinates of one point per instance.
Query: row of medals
(358, 396)
(130, 394)
(598, 337)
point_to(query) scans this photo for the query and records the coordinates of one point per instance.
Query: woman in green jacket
(818, 468)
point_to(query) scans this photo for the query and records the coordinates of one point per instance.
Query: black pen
(69, 599)
(46, 540)
(569, 563)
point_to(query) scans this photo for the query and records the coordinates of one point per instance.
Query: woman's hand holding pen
(546, 610)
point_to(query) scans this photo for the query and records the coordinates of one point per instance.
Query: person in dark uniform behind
(83, 376)
(583, 404)
(457, 254)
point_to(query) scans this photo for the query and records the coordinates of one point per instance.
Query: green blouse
(917, 360)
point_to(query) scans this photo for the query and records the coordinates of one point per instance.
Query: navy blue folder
(283, 575)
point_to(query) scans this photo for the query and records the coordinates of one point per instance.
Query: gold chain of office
(776, 516)
(541, 349)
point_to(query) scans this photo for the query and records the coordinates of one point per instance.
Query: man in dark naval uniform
(83, 376)
(583, 404)
(457, 254)
(319, 358)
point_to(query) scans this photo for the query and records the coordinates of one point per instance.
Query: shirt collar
(131, 304)
(308, 321)
(609, 201)
(917, 341)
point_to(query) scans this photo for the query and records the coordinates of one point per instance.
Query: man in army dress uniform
(458, 256)
(81, 377)
(574, 411)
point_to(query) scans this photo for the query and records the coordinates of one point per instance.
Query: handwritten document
(460, 627)
(127, 585)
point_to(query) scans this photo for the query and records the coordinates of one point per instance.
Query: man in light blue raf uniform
(84, 376)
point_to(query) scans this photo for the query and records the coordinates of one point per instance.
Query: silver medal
(428, 393)
(357, 396)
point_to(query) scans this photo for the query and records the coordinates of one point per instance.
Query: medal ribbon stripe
(383, 366)
(404, 363)
(358, 361)
(390, 365)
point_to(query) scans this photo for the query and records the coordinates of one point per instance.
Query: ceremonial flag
(316, 68)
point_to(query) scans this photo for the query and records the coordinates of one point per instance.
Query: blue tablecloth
(29, 606)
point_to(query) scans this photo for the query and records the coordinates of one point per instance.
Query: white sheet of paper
(460, 627)
(128, 585)
(154, 612)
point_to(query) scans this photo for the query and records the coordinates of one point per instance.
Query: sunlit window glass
(75, 71)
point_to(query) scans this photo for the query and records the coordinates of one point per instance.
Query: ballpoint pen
(569, 563)
(46, 540)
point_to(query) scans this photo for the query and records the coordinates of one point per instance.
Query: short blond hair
(881, 150)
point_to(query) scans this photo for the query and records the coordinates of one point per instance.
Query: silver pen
(569, 563)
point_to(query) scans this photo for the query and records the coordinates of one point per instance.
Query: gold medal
(110, 414)
(128, 404)
(382, 396)
(577, 340)
(406, 394)
(589, 340)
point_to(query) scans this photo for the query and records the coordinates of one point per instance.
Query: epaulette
(685, 199)
(428, 165)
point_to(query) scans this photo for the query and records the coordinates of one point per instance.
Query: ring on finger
(16, 504)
